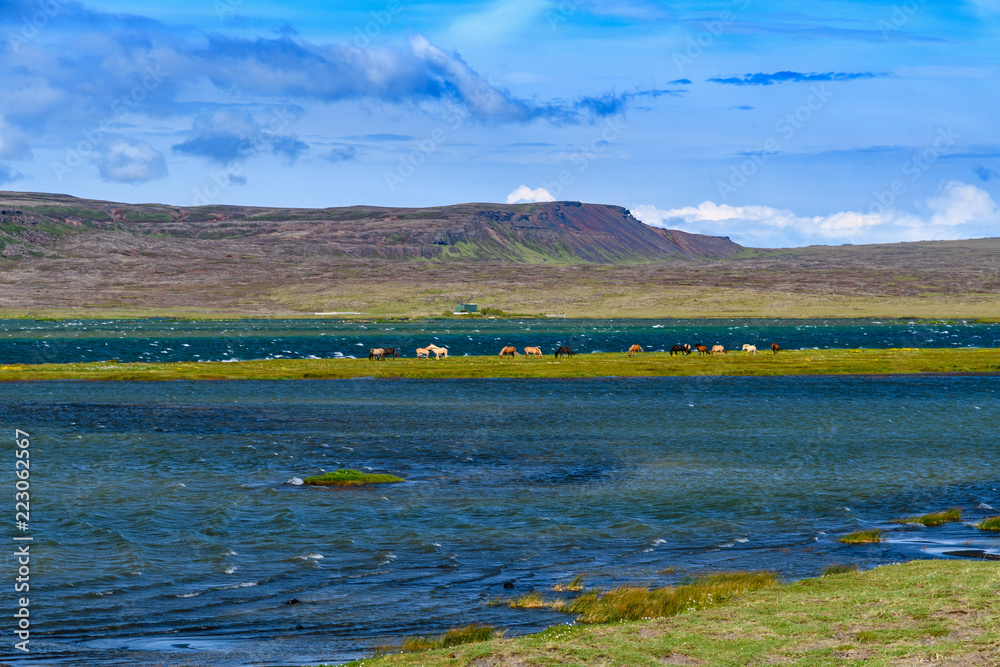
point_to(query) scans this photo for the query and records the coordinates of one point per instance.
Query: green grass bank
(923, 612)
(791, 362)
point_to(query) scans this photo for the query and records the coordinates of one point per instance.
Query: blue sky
(775, 123)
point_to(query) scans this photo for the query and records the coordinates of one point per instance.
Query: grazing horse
(389, 352)
(423, 352)
(635, 349)
(775, 348)
(750, 349)
(702, 349)
(564, 351)
(438, 351)
(718, 348)
(509, 351)
(376, 353)
(532, 351)
(680, 349)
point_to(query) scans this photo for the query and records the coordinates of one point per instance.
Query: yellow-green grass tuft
(873, 536)
(576, 584)
(832, 570)
(454, 637)
(631, 603)
(990, 523)
(351, 477)
(934, 518)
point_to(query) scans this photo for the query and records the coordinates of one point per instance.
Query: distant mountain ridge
(560, 232)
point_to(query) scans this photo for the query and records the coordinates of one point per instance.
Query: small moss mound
(873, 536)
(934, 518)
(991, 523)
(351, 477)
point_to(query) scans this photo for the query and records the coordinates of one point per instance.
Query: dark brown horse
(775, 348)
(564, 351)
(702, 349)
(680, 349)
(389, 352)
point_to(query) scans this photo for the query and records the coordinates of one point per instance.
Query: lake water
(165, 532)
(30, 341)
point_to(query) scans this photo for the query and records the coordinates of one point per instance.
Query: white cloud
(524, 194)
(130, 161)
(958, 210)
(13, 145)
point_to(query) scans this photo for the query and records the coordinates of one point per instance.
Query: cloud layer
(764, 79)
(958, 210)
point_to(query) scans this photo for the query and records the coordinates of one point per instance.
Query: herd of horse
(382, 353)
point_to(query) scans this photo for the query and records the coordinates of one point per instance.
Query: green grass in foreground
(873, 536)
(792, 362)
(942, 612)
(991, 523)
(351, 477)
(934, 518)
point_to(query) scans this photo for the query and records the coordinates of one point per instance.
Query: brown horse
(718, 348)
(680, 349)
(532, 351)
(509, 351)
(701, 349)
(635, 349)
(389, 352)
(775, 348)
(564, 351)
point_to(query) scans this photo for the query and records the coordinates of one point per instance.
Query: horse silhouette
(564, 351)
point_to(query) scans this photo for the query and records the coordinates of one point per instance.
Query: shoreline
(844, 362)
(934, 611)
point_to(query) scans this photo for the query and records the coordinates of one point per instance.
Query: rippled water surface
(165, 531)
(30, 341)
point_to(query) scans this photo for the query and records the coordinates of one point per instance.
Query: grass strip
(934, 518)
(873, 536)
(792, 362)
(991, 523)
(922, 612)
(630, 603)
(351, 477)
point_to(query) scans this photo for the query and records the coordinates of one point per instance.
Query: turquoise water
(30, 341)
(166, 532)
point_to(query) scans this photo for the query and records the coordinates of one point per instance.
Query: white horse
(750, 349)
(438, 351)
